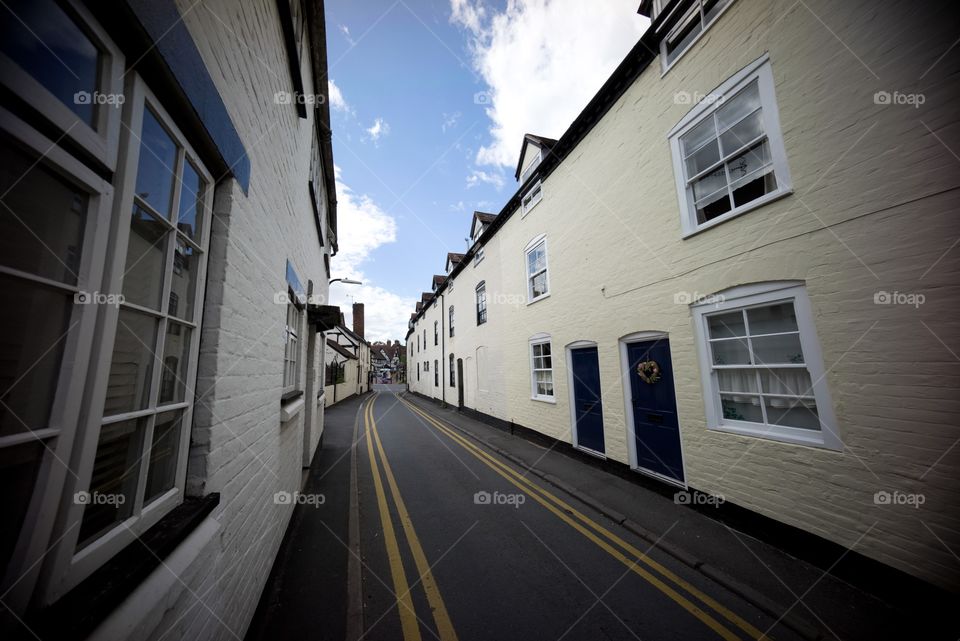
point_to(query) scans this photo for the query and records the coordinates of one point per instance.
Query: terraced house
(733, 273)
(168, 220)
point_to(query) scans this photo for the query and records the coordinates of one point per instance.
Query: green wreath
(649, 372)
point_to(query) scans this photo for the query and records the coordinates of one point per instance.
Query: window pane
(737, 380)
(113, 485)
(42, 218)
(689, 30)
(772, 319)
(784, 348)
(786, 381)
(164, 454)
(741, 133)
(176, 357)
(713, 184)
(791, 412)
(741, 408)
(128, 387)
(738, 106)
(186, 261)
(49, 46)
(19, 466)
(731, 352)
(536, 259)
(749, 161)
(753, 188)
(539, 285)
(157, 164)
(146, 259)
(710, 209)
(726, 325)
(703, 158)
(191, 203)
(698, 135)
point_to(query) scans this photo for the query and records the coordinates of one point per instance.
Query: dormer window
(531, 167)
(689, 28)
(530, 199)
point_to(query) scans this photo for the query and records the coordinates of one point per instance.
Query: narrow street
(457, 544)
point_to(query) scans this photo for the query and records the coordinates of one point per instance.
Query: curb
(749, 594)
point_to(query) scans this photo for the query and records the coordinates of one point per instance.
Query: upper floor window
(424, 338)
(478, 255)
(763, 372)
(538, 285)
(481, 303)
(689, 28)
(531, 197)
(450, 321)
(728, 152)
(532, 167)
(541, 368)
(436, 332)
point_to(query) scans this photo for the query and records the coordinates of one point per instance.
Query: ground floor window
(453, 372)
(541, 368)
(436, 373)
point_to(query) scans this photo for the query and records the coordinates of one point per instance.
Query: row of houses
(169, 219)
(350, 360)
(733, 273)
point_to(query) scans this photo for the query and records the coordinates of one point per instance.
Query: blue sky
(429, 102)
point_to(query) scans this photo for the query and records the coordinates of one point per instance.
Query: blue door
(587, 408)
(655, 408)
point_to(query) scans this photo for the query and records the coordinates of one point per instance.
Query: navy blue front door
(588, 410)
(655, 409)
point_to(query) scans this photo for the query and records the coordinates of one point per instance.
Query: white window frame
(478, 256)
(532, 167)
(450, 322)
(531, 198)
(761, 71)
(542, 339)
(697, 8)
(759, 295)
(70, 566)
(292, 345)
(100, 140)
(481, 287)
(531, 247)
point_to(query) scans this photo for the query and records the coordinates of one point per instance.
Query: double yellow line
(677, 589)
(401, 589)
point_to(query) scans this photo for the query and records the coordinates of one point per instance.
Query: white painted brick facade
(874, 208)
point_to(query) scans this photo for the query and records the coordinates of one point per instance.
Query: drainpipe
(443, 353)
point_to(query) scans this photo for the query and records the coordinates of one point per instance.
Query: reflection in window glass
(46, 43)
(176, 355)
(146, 259)
(128, 385)
(157, 164)
(164, 448)
(191, 203)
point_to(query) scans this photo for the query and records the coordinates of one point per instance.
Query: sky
(430, 100)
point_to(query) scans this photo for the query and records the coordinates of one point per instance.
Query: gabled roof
(425, 297)
(419, 307)
(438, 281)
(482, 218)
(546, 144)
(340, 349)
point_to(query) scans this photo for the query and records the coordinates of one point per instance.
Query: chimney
(358, 319)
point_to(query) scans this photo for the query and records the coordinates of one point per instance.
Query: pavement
(463, 531)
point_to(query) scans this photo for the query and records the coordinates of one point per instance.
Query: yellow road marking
(440, 616)
(526, 484)
(408, 617)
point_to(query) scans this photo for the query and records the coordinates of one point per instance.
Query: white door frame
(640, 337)
(574, 436)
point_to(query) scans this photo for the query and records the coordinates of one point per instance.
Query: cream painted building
(733, 273)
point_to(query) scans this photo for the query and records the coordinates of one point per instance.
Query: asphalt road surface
(456, 543)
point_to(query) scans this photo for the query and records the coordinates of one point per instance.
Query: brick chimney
(358, 319)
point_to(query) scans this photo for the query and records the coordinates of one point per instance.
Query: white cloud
(450, 121)
(478, 176)
(337, 100)
(379, 128)
(346, 34)
(362, 228)
(542, 61)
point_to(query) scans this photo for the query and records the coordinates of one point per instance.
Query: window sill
(791, 435)
(82, 609)
(290, 409)
(735, 213)
(537, 299)
(544, 399)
